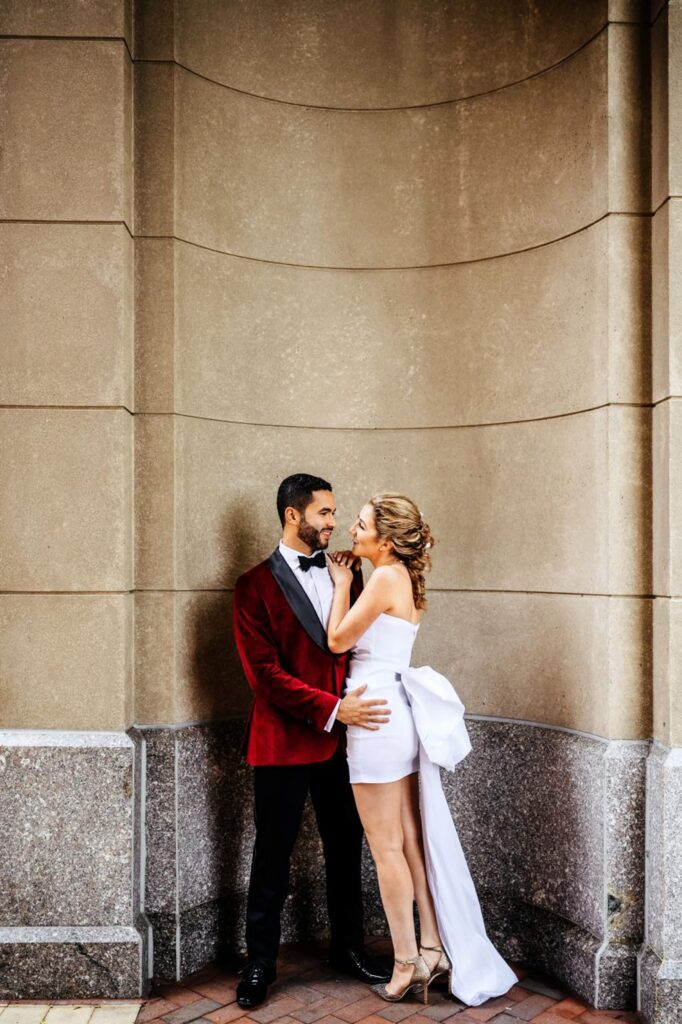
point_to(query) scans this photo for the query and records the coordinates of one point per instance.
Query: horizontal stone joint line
(409, 106)
(330, 267)
(414, 266)
(666, 199)
(66, 593)
(78, 408)
(73, 39)
(556, 728)
(381, 110)
(399, 429)
(86, 223)
(306, 426)
(532, 723)
(429, 590)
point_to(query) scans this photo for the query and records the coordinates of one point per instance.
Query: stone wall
(402, 246)
(661, 958)
(71, 922)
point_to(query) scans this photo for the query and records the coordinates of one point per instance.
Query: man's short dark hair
(297, 492)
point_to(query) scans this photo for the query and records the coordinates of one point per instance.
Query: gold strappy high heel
(442, 967)
(419, 980)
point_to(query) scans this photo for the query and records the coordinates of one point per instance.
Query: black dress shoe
(253, 987)
(359, 964)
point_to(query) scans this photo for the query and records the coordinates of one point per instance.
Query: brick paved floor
(308, 991)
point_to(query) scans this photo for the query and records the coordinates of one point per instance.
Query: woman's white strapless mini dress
(379, 657)
(426, 731)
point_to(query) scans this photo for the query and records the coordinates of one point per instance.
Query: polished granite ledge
(552, 822)
(71, 919)
(73, 963)
(62, 738)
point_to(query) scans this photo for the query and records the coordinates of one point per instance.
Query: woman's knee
(385, 843)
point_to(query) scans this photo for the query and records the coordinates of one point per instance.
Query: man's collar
(291, 554)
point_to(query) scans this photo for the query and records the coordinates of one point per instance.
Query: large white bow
(438, 715)
(478, 971)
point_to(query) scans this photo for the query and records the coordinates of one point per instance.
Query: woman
(381, 628)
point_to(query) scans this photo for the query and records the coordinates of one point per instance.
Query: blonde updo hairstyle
(397, 518)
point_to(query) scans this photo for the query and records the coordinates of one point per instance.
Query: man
(294, 738)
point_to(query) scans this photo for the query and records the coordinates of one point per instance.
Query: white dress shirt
(319, 587)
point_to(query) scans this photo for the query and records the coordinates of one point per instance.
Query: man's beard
(310, 536)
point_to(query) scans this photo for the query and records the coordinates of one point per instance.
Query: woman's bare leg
(413, 848)
(380, 809)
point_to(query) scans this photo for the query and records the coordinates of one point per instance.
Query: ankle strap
(413, 960)
(433, 949)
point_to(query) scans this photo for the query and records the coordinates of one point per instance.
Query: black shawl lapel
(298, 600)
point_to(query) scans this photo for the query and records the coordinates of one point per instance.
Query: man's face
(317, 521)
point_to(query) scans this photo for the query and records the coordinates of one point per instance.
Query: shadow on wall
(214, 676)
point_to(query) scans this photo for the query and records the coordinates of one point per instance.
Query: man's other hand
(368, 714)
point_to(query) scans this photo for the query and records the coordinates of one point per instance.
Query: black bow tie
(318, 559)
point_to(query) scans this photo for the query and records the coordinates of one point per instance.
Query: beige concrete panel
(666, 77)
(659, 110)
(66, 125)
(155, 327)
(59, 349)
(522, 506)
(209, 681)
(65, 18)
(154, 658)
(629, 118)
(675, 97)
(576, 661)
(667, 498)
(544, 657)
(155, 472)
(517, 337)
(65, 505)
(661, 353)
(655, 8)
(394, 188)
(187, 667)
(384, 54)
(629, 309)
(668, 671)
(632, 11)
(154, 25)
(65, 661)
(667, 301)
(629, 500)
(154, 156)
(630, 638)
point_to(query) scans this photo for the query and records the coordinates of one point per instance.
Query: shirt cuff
(332, 718)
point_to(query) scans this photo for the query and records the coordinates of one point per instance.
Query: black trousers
(279, 796)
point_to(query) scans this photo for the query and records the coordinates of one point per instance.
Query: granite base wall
(72, 921)
(552, 823)
(660, 961)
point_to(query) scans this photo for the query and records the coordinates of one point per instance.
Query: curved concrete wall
(432, 279)
(389, 54)
(518, 337)
(311, 326)
(361, 251)
(393, 188)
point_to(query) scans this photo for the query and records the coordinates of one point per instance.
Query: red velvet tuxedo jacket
(295, 678)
